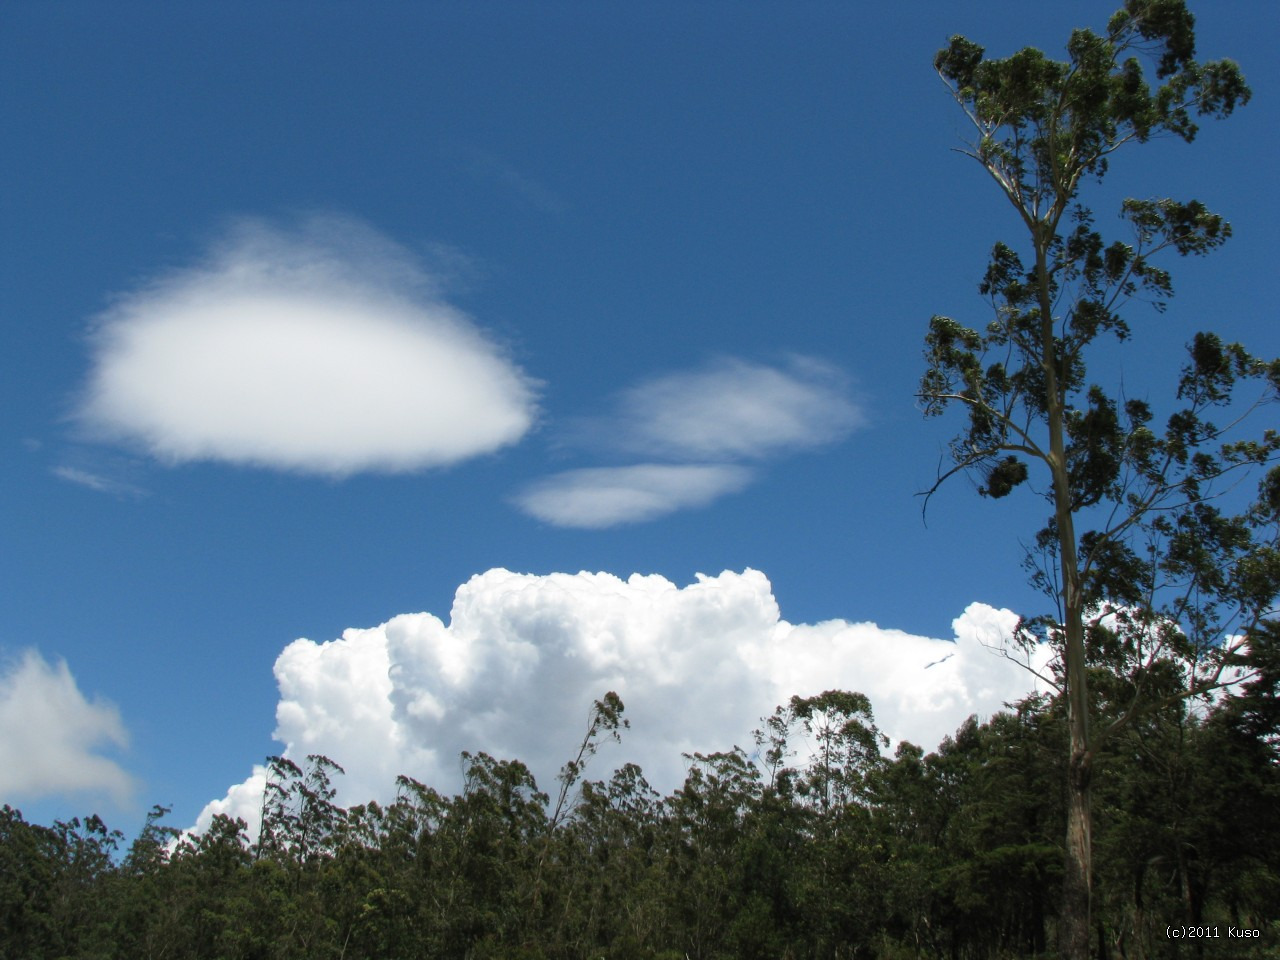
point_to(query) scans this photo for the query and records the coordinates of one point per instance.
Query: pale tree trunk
(1076, 881)
(1078, 868)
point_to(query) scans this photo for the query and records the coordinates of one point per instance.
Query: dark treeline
(846, 853)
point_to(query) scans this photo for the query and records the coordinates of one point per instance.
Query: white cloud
(705, 423)
(97, 482)
(608, 496)
(322, 350)
(50, 735)
(735, 410)
(243, 801)
(523, 656)
(491, 167)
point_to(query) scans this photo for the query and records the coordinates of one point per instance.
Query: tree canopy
(815, 844)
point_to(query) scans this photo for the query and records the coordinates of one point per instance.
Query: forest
(812, 843)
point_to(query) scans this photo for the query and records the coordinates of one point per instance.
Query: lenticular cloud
(608, 496)
(520, 661)
(319, 350)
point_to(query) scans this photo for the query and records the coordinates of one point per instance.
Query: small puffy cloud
(520, 661)
(735, 410)
(50, 735)
(608, 496)
(323, 349)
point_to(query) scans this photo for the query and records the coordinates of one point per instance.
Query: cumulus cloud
(50, 735)
(736, 410)
(609, 496)
(515, 670)
(322, 349)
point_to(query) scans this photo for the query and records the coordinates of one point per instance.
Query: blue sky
(311, 315)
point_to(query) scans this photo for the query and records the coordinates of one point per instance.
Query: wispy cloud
(735, 410)
(325, 348)
(608, 496)
(50, 735)
(489, 166)
(523, 656)
(706, 423)
(101, 484)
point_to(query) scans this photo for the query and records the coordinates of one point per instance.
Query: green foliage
(818, 846)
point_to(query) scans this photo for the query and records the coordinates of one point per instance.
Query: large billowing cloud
(322, 349)
(608, 496)
(705, 423)
(50, 735)
(515, 670)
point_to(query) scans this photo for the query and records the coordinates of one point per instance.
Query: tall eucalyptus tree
(1151, 564)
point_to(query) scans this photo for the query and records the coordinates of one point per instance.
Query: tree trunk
(1077, 880)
